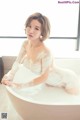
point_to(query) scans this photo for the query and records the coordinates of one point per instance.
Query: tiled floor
(6, 106)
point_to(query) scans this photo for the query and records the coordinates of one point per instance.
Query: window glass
(63, 16)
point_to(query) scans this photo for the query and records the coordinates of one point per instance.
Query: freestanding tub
(51, 103)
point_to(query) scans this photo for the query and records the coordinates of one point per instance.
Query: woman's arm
(10, 75)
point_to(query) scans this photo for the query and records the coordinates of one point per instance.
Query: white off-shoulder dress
(25, 70)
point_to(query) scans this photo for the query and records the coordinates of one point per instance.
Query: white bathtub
(51, 103)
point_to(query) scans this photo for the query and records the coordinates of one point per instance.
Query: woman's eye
(36, 28)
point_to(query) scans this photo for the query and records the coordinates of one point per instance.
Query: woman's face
(33, 31)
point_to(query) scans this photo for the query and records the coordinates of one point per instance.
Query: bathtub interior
(51, 95)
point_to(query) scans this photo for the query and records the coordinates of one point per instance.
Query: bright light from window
(63, 16)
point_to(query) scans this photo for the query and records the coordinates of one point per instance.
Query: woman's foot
(74, 91)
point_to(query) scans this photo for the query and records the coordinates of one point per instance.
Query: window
(63, 17)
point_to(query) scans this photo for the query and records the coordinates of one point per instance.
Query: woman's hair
(45, 24)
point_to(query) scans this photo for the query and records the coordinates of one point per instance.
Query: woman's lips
(30, 35)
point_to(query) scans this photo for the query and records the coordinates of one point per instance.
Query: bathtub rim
(11, 91)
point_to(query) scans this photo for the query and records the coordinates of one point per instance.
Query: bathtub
(51, 103)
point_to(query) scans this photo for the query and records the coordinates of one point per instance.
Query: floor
(6, 106)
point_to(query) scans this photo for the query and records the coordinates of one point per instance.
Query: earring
(41, 37)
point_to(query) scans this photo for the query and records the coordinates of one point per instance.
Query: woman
(36, 57)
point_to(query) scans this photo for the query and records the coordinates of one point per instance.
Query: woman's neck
(34, 44)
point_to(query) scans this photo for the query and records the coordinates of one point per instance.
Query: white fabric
(24, 75)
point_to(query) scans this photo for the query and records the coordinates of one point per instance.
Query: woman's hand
(11, 84)
(6, 82)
